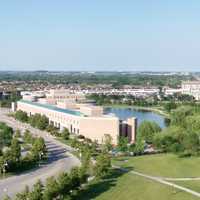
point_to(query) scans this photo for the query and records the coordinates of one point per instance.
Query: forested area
(115, 79)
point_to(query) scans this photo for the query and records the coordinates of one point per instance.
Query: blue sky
(100, 35)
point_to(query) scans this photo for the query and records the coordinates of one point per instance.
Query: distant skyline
(105, 35)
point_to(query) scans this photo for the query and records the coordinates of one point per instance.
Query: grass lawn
(166, 165)
(194, 185)
(126, 186)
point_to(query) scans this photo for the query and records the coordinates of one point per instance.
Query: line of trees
(182, 136)
(11, 146)
(64, 187)
(38, 121)
(115, 79)
(168, 102)
(145, 135)
(95, 159)
(6, 134)
(41, 122)
(102, 99)
(67, 185)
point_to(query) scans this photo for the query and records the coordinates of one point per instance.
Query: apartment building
(191, 88)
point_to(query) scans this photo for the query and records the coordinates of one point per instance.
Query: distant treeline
(115, 79)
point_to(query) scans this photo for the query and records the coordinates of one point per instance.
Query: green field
(126, 186)
(194, 185)
(166, 165)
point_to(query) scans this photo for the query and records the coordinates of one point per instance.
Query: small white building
(171, 91)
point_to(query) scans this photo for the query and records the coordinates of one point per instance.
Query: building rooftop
(51, 107)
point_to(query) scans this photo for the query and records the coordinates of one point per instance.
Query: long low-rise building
(87, 121)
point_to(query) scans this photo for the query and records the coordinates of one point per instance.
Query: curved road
(59, 159)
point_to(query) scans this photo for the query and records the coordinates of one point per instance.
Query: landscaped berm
(124, 185)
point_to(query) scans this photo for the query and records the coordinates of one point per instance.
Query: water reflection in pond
(141, 115)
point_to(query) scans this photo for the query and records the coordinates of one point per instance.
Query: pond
(141, 115)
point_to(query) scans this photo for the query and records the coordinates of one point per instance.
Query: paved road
(59, 160)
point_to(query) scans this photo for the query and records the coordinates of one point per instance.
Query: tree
(17, 133)
(6, 134)
(42, 122)
(21, 116)
(107, 143)
(139, 146)
(51, 189)
(33, 119)
(51, 128)
(37, 192)
(75, 178)
(74, 143)
(27, 137)
(23, 195)
(64, 184)
(185, 97)
(15, 150)
(178, 116)
(8, 160)
(169, 106)
(102, 165)
(122, 144)
(192, 123)
(39, 148)
(39, 121)
(191, 144)
(86, 165)
(170, 139)
(65, 134)
(93, 147)
(147, 130)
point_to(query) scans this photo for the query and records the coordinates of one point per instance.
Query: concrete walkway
(182, 179)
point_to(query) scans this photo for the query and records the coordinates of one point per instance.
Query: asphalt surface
(59, 159)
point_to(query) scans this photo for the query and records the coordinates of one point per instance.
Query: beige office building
(52, 96)
(85, 120)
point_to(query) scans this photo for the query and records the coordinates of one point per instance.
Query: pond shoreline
(150, 109)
